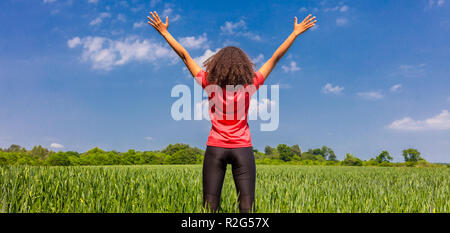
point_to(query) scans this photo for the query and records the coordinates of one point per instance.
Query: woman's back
(228, 110)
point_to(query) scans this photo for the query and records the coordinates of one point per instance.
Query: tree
(316, 151)
(351, 160)
(39, 152)
(268, 150)
(58, 159)
(172, 149)
(296, 150)
(327, 152)
(411, 155)
(130, 157)
(259, 155)
(285, 152)
(97, 156)
(332, 157)
(384, 156)
(149, 157)
(187, 156)
(14, 148)
(95, 150)
(308, 156)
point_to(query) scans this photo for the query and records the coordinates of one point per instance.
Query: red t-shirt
(228, 112)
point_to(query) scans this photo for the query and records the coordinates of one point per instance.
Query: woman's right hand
(306, 24)
(157, 24)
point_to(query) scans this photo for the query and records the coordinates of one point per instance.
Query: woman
(229, 140)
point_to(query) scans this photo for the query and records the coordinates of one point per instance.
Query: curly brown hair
(229, 66)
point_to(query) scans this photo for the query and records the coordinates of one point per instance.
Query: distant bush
(185, 156)
(351, 160)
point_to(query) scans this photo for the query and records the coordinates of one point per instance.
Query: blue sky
(374, 75)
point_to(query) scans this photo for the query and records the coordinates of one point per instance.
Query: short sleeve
(258, 79)
(201, 78)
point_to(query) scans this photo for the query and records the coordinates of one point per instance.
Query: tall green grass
(178, 188)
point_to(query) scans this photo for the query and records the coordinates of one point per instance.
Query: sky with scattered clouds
(371, 76)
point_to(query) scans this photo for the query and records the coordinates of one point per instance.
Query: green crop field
(178, 188)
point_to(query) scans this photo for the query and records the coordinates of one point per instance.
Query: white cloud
(344, 8)
(231, 28)
(336, 8)
(329, 88)
(395, 88)
(341, 22)
(370, 95)
(100, 18)
(291, 68)
(439, 122)
(139, 24)
(251, 36)
(258, 59)
(435, 3)
(303, 9)
(49, 1)
(104, 53)
(56, 145)
(92, 1)
(208, 53)
(168, 11)
(137, 8)
(411, 70)
(148, 138)
(192, 42)
(74, 42)
(315, 27)
(239, 29)
(229, 42)
(154, 2)
(121, 17)
(55, 11)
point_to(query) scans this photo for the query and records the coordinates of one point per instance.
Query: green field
(178, 188)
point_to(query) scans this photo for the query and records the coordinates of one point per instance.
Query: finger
(167, 20)
(311, 19)
(314, 22)
(154, 17)
(307, 17)
(151, 20)
(295, 19)
(157, 16)
(150, 23)
(157, 19)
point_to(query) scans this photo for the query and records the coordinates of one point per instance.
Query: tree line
(185, 154)
(326, 156)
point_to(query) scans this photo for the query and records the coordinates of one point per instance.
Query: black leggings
(244, 175)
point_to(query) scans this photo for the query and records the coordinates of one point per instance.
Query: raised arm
(299, 28)
(193, 67)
